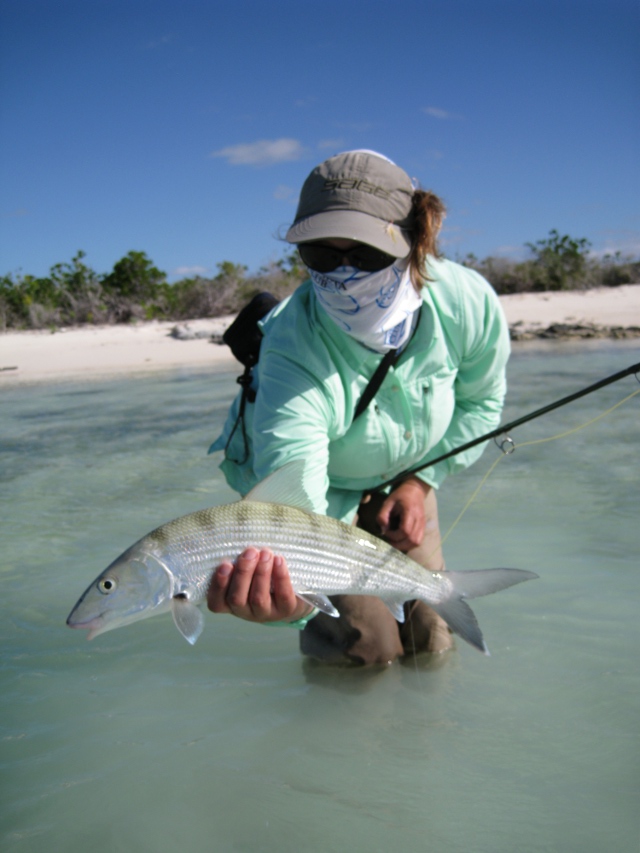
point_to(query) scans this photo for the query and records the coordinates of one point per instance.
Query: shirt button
(407, 434)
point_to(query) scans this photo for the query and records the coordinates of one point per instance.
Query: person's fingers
(408, 535)
(259, 599)
(401, 517)
(413, 524)
(257, 587)
(284, 597)
(384, 515)
(217, 592)
(238, 591)
(409, 529)
(399, 540)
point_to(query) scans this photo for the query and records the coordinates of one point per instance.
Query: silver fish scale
(322, 553)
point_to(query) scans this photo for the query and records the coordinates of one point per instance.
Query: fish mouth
(94, 626)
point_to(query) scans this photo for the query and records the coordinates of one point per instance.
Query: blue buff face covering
(378, 309)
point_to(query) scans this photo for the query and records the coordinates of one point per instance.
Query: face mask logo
(327, 283)
(387, 294)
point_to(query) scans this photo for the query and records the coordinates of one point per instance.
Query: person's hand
(257, 588)
(401, 517)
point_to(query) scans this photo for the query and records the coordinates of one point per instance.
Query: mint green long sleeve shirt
(446, 389)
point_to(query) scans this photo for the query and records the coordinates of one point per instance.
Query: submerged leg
(423, 630)
(366, 632)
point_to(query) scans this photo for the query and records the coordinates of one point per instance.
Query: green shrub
(135, 289)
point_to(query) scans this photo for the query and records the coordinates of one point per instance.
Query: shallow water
(139, 742)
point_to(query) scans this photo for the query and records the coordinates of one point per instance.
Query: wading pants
(366, 632)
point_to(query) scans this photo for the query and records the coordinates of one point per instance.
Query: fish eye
(107, 585)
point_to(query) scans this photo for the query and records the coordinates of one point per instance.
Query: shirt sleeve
(480, 384)
(295, 417)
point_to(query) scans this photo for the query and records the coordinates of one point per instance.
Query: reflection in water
(137, 741)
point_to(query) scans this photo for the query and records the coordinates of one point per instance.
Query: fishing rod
(633, 369)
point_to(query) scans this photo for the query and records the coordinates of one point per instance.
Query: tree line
(74, 294)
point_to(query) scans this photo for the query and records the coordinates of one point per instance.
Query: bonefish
(169, 569)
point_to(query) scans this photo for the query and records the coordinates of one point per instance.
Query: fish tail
(456, 612)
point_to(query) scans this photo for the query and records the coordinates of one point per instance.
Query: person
(377, 283)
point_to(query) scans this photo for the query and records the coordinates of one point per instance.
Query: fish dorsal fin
(283, 486)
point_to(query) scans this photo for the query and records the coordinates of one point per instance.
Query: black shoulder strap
(376, 381)
(248, 395)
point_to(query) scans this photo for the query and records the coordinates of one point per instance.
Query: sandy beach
(97, 351)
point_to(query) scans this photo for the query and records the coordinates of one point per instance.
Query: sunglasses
(323, 258)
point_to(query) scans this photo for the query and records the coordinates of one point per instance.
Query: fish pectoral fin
(396, 608)
(188, 618)
(316, 599)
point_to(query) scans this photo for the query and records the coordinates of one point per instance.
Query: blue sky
(185, 129)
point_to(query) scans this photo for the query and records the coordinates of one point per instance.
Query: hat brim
(352, 225)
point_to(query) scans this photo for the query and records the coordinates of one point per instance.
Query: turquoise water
(139, 742)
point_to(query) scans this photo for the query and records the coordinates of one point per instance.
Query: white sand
(603, 306)
(94, 351)
(112, 350)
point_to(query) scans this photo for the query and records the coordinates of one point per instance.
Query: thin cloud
(356, 126)
(283, 192)
(187, 271)
(264, 152)
(625, 242)
(515, 253)
(442, 115)
(454, 235)
(158, 43)
(15, 214)
(335, 144)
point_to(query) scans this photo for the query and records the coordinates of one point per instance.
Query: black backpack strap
(243, 336)
(248, 395)
(376, 381)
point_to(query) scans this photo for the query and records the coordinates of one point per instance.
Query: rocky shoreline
(556, 331)
(572, 331)
(517, 331)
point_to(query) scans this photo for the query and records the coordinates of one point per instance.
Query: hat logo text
(356, 184)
